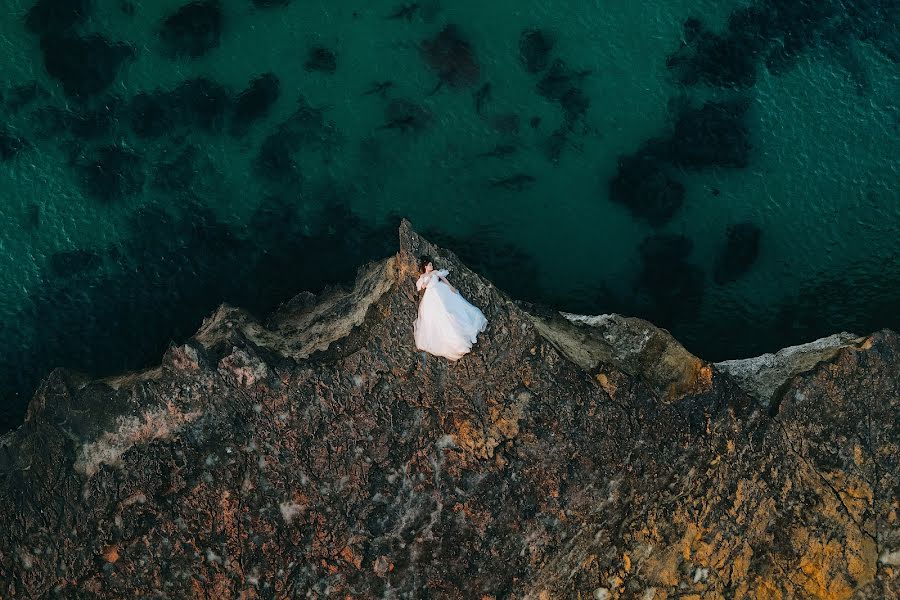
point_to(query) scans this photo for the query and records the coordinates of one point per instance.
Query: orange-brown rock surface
(318, 455)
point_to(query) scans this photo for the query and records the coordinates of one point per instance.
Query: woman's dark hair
(423, 262)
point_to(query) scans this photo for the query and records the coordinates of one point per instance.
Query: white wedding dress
(447, 324)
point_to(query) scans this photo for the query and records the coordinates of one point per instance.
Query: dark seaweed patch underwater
(727, 170)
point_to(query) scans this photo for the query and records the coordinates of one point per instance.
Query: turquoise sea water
(126, 218)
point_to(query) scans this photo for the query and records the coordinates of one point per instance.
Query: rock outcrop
(764, 376)
(318, 455)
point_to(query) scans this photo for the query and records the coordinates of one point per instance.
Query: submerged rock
(555, 143)
(74, 262)
(515, 182)
(482, 97)
(255, 102)
(715, 134)
(404, 11)
(668, 286)
(20, 96)
(275, 160)
(559, 80)
(720, 60)
(176, 176)
(319, 453)
(506, 123)
(773, 34)
(321, 59)
(113, 173)
(84, 65)
(306, 129)
(193, 30)
(10, 144)
(643, 185)
(56, 16)
(32, 217)
(563, 85)
(452, 57)
(198, 103)
(739, 252)
(84, 123)
(535, 47)
(405, 115)
(201, 103)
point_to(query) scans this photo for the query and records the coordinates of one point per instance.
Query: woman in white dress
(447, 324)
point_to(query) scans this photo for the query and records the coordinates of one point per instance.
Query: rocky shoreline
(316, 454)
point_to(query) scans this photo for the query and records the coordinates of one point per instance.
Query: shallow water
(820, 179)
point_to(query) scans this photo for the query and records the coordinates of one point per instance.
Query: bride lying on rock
(447, 324)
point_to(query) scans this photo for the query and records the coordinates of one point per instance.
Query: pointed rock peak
(474, 287)
(413, 246)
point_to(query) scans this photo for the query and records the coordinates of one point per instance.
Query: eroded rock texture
(317, 454)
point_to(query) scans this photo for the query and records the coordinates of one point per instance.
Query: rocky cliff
(317, 454)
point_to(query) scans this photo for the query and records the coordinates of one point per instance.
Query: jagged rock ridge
(319, 455)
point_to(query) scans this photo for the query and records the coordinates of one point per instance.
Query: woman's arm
(444, 279)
